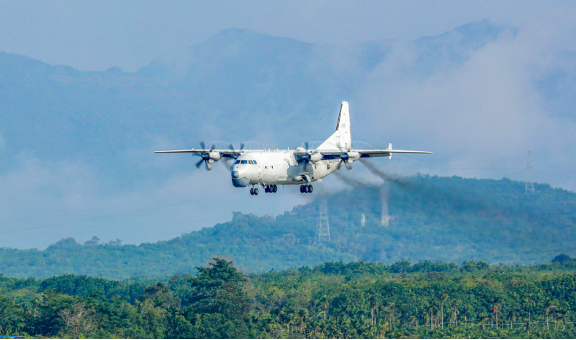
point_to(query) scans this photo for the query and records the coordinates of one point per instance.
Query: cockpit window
(243, 162)
(254, 162)
(249, 161)
(237, 162)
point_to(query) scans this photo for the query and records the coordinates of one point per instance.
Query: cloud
(482, 114)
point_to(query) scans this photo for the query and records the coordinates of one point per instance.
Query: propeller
(236, 154)
(207, 157)
(346, 157)
(308, 156)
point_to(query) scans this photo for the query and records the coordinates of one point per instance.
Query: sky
(488, 105)
(96, 35)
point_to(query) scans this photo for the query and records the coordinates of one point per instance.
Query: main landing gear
(271, 188)
(306, 188)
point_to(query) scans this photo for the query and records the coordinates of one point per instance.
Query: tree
(10, 316)
(218, 301)
(78, 320)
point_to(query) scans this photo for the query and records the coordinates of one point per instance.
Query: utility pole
(323, 225)
(384, 217)
(529, 188)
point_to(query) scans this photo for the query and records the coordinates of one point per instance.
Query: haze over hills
(77, 146)
(448, 219)
(238, 85)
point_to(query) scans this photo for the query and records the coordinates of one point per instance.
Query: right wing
(223, 152)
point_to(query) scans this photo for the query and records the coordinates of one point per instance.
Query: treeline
(448, 219)
(332, 300)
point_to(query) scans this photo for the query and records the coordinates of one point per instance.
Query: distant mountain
(76, 147)
(237, 85)
(430, 218)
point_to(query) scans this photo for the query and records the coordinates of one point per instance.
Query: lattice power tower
(529, 188)
(323, 225)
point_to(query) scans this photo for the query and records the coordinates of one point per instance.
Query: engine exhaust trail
(390, 179)
(351, 181)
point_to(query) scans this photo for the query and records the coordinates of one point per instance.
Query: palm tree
(550, 307)
(444, 299)
(496, 308)
(528, 302)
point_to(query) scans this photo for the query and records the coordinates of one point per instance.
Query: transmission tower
(323, 225)
(529, 188)
(384, 217)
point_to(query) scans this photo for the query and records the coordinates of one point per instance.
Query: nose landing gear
(254, 191)
(306, 188)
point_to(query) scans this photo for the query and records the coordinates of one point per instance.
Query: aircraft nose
(235, 174)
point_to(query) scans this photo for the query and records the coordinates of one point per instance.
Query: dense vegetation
(449, 219)
(333, 300)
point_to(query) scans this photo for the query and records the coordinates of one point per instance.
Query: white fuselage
(278, 167)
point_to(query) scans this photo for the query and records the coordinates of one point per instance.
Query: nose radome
(235, 174)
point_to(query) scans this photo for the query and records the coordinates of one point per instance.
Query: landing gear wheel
(251, 191)
(267, 189)
(274, 188)
(310, 188)
(302, 187)
(255, 191)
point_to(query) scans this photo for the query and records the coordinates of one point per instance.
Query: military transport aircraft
(269, 168)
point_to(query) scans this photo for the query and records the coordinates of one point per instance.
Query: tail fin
(342, 138)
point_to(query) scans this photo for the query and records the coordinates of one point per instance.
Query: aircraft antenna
(323, 225)
(384, 217)
(529, 188)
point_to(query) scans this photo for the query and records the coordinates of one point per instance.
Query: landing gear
(306, 188)
(254, 191)
(271, 188)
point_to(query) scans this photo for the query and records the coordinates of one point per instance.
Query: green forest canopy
(331, 300)
(450, 219)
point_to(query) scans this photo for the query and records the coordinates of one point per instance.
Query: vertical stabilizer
(342, 138)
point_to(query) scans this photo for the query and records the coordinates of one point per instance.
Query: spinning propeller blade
(199, 163)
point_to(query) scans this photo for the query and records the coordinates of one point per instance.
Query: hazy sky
(95, 35)
(486, 108)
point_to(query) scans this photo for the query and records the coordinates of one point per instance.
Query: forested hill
(332, 300)
(451, 219)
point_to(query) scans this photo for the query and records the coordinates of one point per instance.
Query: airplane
(270, 168)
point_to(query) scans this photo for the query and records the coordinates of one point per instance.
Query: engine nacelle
(316, 156)
(353, 155)
(214, 155)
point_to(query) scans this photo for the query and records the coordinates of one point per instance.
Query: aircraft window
(254, 162)
(243, 162)
(237, 162)
(250, 162)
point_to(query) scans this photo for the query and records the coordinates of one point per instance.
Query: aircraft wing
(223, 152)
(331, 154)
(385, 153)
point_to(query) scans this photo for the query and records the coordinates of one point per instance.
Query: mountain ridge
(450, 219)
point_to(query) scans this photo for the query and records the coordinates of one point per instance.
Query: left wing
(385, 153)
(331, 154)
